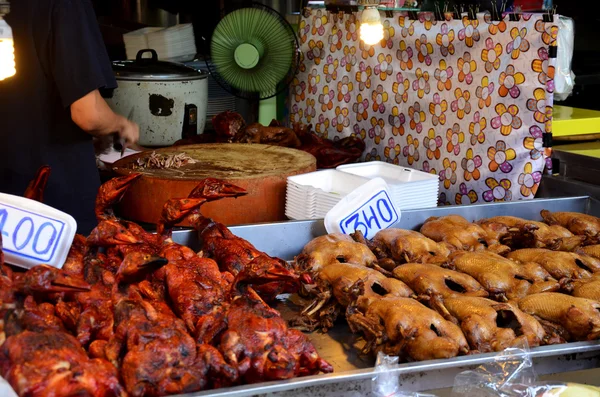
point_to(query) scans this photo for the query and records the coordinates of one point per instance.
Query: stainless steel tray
(353, 372)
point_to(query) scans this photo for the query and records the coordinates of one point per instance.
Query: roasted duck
(501, 277)
(579, 317)
(430, 280)
(579, 224)
(559, 264)
(259, 344)
(520, 233)
(489, 325)
(459, 233)
(331, 289)
(227, 125)
(407, 246)
(590, 250)
(267, 135)
(587, 288)
(404, 327)
(329, 154)
(334, 248)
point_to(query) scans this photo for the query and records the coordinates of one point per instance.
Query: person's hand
(129, 132)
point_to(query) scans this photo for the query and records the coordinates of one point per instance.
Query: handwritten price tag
(34, 233)
(367, 209)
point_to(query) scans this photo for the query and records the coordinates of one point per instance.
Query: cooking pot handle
(139, 57)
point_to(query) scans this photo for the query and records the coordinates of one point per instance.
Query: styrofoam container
(333, 182)
(391, 173)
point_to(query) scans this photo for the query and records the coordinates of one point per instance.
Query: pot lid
(151, 69)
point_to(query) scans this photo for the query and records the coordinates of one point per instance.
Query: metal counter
(353, 372)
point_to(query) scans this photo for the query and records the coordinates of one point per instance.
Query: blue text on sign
(376, 214)
(28, 234)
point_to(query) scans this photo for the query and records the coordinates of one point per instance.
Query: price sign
(34, 233)
(367, 209)
(376, 214)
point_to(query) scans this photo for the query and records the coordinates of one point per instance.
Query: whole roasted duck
(489, 325)
(560, 265)
(584, 225)
(407, 246)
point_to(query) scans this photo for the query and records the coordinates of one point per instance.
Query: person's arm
(93, 115)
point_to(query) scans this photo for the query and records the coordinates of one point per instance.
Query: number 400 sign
(34, 233)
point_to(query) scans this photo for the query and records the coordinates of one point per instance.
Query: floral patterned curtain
(468, 100)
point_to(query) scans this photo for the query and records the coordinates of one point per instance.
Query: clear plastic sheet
(564, 78)
(387, 383)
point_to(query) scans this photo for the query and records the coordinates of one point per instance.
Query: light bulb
(7, 51)
(371, 29)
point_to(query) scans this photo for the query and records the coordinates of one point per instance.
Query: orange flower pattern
(467, 100)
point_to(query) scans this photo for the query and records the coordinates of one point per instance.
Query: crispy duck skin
(521, 233)
(407, 246)
(579, 224)
(590, 250)
(334, 248)
(559, 264)
(501, 277)
(489, 325)
(459, 233)
(431, 280)
(406, 328)
(578, 316)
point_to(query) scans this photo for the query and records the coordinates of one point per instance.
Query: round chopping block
(260, 169)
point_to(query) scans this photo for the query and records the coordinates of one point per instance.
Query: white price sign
(367, 209)
(34, 233)
(376, 214)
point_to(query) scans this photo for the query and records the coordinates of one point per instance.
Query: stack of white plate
(410, 189)
(171, 43)
(137, 40)
(312, 195)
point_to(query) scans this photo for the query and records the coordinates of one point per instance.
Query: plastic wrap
(512, 374)
(386, 383)
(564, 78)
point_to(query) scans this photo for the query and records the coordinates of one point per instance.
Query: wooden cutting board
(260, 169)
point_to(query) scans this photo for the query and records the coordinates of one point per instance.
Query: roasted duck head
(404, 327)
(407, 246)
(227, 124)
(489, 325)
(333, 289)
(45, 279)
(579, 224)
(559, 264)
(213, 189)
(37, 186)
(111, 232)
(430, 280)
(579, 317)
(136, 265)
(334, 248)
(460, 234)
(110, 193)
(267, 276)
(520, 233)
(501, 277)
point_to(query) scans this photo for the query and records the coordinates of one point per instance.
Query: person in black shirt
(51, 108)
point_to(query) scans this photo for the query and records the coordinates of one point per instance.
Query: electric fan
(254, 55)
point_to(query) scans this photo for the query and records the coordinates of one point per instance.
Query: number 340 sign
(34, 233)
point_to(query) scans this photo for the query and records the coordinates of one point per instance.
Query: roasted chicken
(459, 233)
(501, 277)
(404, 327)
(489, 325)
(430, 280)
(579, 224)
(520, 233)
(579, 317)
(407, 246)
(559, 264)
